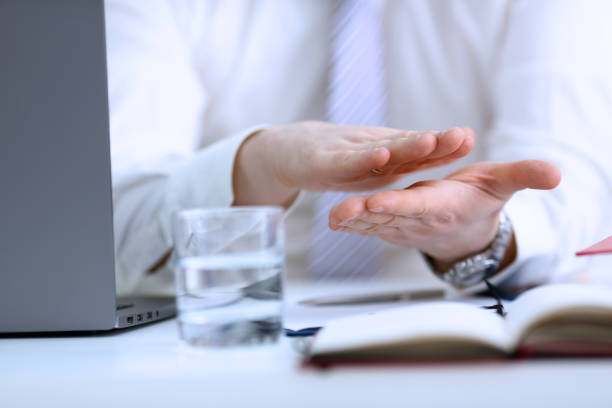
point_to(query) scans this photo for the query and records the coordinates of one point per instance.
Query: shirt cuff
(535, 243)
(207, 179)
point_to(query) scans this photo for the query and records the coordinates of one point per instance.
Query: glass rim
(253, 209)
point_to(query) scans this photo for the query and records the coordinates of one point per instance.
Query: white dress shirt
(189, 80)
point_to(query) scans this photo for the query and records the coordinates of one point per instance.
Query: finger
(450, 141)
(357, 225)
(382, 135)
(416, 202)
(462, 151)
(447, 147)
(366, 221)
(412, 147)
(381, 231)
(465, 147)
(374, 135)
(346, 211)
(507, 178)
(353, 163)
(376, 218)
(428, 145)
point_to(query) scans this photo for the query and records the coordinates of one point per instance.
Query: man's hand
(275, 163)
(448, 219)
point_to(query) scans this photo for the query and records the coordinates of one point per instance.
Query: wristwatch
(476, 268)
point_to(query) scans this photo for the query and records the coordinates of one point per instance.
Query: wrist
(509, 257)
(463, 246)
(476, 267)
(256, 179)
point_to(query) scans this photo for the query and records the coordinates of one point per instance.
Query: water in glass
(230, 299)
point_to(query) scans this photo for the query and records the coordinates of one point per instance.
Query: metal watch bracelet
(478, 267)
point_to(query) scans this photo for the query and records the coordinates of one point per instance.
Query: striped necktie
(356, 96)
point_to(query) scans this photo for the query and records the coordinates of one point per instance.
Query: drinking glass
(229, 265)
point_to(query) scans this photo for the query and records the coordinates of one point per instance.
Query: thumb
(509, 178)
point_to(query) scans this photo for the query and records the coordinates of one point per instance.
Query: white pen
(399, 296)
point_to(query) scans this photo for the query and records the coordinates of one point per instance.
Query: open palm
(449, 218)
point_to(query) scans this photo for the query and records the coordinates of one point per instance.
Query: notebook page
(433, 320)
(550, 300)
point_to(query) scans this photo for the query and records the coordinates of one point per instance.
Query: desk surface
(149, 366)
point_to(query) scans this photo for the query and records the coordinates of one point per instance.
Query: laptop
(56, 215)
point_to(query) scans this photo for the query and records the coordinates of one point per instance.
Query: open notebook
(569, 319)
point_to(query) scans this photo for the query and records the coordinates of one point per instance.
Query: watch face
(472, 270)
(468, 275)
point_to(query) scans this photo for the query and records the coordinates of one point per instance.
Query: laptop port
(130, 319)
(149, 315)
(139, 318)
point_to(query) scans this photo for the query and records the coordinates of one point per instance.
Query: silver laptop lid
(56, 238)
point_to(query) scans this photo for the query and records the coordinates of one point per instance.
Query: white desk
(150, 367)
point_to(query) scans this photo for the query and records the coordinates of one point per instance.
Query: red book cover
(602, 247)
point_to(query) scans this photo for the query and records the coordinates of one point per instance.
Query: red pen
(602, 247)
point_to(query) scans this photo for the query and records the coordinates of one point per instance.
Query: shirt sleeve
(551, 101)
(157, 102)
